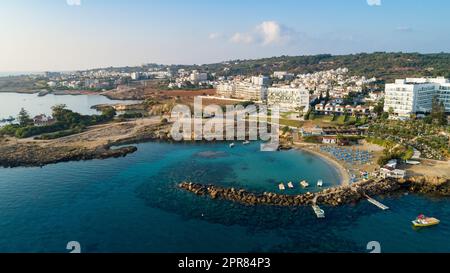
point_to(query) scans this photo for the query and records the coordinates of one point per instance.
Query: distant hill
(386, 66)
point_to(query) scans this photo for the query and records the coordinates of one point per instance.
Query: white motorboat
(304, 184)
(320, 183)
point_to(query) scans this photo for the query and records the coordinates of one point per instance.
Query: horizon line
(30, 72)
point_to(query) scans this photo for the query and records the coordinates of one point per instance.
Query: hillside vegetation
(386, 66)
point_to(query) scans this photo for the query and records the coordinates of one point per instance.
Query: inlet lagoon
(133, 204)
(11, 103)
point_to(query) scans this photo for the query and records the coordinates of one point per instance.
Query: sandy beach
(344, 176)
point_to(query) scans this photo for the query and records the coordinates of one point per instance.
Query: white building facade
(198, 77)
(248, 91)
(226, 90)
(253, 89)
(415, 95)
(288, 99)
(260, 80)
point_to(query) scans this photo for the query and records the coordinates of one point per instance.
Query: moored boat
(232, 145)
(320, 183)
(246, 142)
(423, 221)
(290, 185)
(304, 184)
(281, 187)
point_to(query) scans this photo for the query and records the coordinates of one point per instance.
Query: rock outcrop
(37, 156)
(427, 185)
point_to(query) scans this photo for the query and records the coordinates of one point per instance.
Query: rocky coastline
(332, 197)
(39, 157)
(429, 185)
(99, 142)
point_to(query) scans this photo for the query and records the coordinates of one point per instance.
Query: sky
(61, 35)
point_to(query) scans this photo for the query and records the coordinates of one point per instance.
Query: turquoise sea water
(132, 205)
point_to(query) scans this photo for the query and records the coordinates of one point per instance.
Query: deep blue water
(132, 205)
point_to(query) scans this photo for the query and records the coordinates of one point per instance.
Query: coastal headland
(95, 143)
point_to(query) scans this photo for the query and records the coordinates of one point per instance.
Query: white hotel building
(288, 99)
(254, 89)
(415, 95)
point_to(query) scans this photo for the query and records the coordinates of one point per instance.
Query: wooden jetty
(376, 203)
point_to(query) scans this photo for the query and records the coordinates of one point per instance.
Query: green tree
(320, 97)
(109, 113)
(438, 112)
(59, 111)
(443, 120)
(379, 108)
(391, 111)
(24, 118)
(327, 96)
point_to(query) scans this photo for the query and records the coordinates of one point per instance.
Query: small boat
(232, 145)
(423, 221)
(304, 184)
(290, 185)
(246, 142)
(320, 183)
(281, 187)
(320, 213)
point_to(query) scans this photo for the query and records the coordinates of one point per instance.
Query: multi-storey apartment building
(254, 88)
(288, 98)
(415, 95)
(226, 89)
(249, 91)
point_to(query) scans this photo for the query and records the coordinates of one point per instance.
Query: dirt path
(430, 168)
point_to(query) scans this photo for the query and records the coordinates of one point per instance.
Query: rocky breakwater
(333, 196)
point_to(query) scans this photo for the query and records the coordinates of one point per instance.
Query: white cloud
(215, 35)
(73, 2)
(374, 2)
(242, 38)
(266, 33)
(272, 32)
